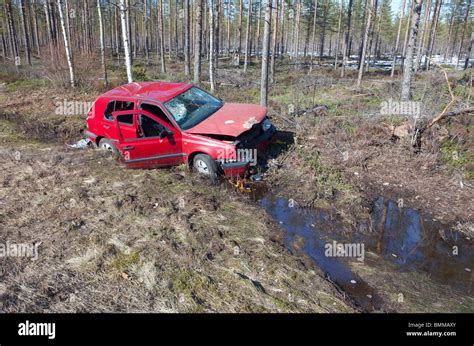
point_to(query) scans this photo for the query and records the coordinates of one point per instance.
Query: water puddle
(400, 235)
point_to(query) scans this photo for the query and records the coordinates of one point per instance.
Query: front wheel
(204, 165)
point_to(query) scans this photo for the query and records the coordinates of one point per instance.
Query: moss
(453, 155)
(123, 261)
(25, 84)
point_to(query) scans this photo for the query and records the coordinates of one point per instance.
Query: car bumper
(259, 143)
(233, 169)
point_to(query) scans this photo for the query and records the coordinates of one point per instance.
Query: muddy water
(400, 235)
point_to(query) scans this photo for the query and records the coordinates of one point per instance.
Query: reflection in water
(425, 245)
(398, 234)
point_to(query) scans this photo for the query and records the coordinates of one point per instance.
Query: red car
(156, 124)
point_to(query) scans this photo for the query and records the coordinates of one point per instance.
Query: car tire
(107, 145)
(204, 165)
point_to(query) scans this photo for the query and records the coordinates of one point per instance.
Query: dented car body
(156, 124)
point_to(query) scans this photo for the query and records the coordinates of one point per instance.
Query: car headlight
(266, 125)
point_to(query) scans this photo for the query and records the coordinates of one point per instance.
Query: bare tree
(347, 39)
(407, 70)
(125, 39)
(247, 35)
(102, 45)
(395, 51)
(187, 60)
(211, 45)
(198, 42)
(274, 42)
(466, 17)
(364, 44)
(313, 34)
(161, 35)
(26, 38)
(265, 54)
(468, 55)
(66, 45)
(432, 34)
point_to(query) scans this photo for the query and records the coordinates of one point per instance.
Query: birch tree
(66, 44)
(408, 65)
(102, 45)
(125, 39)
(198, 42)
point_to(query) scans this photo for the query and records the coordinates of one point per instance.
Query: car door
(149, 142)
(109, 127)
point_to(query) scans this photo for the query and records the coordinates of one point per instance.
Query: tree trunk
(407, 70)
(366, 38)
(26, 39)
(102, 45)
(468, 55)
(313, 34)
(198, 42)
(187, 60)
(432, 36)
(466, 17)
(274, 42)
(265, 53)
(419, 50)
(247, 35)
(125, 39)
(12, 33)
(338, 35)
(66, 45)
(211, 45)
(395, 50)
(161, 36)
(346, 48)
(407, 31)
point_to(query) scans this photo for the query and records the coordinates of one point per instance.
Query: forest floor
(122, 240)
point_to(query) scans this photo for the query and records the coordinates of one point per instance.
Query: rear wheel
(204, 165)
(109, 147)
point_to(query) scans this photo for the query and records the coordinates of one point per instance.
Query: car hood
(231, 119)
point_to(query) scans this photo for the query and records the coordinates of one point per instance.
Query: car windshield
(192, 106)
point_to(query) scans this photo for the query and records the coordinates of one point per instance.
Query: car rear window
(116, 106)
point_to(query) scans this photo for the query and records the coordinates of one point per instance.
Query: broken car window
(192, 106)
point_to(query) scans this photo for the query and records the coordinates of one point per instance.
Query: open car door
(145, 141)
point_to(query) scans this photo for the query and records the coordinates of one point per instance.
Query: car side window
(126, 119)
(116, 106)
(157, 112)
(150, 127)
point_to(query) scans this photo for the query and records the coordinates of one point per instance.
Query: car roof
(159, 91)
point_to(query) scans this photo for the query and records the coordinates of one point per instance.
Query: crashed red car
(156, 124)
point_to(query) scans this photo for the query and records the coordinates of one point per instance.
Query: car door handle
(128, 147)
(106, 126)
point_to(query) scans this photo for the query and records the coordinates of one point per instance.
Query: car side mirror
(165, 133)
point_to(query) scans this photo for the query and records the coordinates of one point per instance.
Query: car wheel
(109, 147)
(204, 165)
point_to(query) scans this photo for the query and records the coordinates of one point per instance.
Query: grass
(26, 84)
